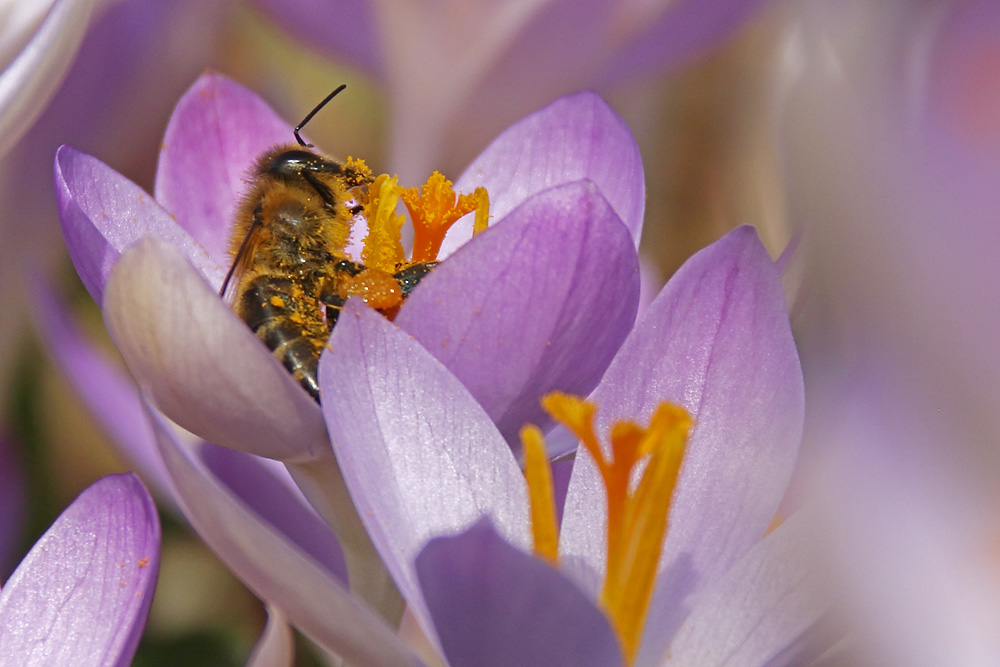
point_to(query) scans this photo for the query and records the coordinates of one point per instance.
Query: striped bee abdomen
(281, 313)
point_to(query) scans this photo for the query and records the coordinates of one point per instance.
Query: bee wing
(244, 256)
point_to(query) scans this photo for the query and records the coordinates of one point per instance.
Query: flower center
(639, 478)
(433, 210)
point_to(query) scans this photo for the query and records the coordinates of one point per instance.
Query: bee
(290, 272)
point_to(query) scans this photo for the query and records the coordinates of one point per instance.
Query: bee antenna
(313, 113)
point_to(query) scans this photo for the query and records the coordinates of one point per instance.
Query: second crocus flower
(423, 463)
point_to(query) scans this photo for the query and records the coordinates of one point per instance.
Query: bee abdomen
(294, 329)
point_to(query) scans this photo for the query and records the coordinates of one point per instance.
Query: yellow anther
(383, 246)
(434, 209)
(538, 473)
(637, 519)
(482, 210)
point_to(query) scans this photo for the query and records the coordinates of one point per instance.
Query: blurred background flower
(12, 504)
(891, 140)
(38, 42)
(456, 73)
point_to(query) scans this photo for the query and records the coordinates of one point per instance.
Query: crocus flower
(455, 73)
(82, 594)
(272, 561)
(562, 182)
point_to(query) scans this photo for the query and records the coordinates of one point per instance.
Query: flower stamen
(637, 519)
(383, 246)
(538, 473)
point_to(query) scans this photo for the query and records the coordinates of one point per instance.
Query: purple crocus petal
(577, 137)
(539, 303)
(560, 442)
(268, 490)
(493, 604)
(682, 31)
(273, 566)
(344, 29)
(206, 369)
(763, 605)
(276, 646)
(110, 395)
(32, 78)
(102, 213)
(418, 454)
(716, 341)
(216, 132)
(82, 594)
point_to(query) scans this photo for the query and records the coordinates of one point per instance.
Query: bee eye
(294, 162)
(291, 163)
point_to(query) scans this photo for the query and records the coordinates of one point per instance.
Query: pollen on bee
(358, 173)
(277, 302)
(379, 289)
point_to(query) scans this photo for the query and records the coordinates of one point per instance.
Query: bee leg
(334, 304)
(330, 293)
(411, 276)
(348, 267)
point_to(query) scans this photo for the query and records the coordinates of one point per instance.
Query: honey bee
(290, 271)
